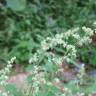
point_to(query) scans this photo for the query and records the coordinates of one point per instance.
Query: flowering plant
(54, 50)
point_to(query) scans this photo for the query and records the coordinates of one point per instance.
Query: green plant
(25, 23)
(88, 55)
(45, 32)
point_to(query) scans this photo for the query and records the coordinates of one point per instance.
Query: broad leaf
(16, 5)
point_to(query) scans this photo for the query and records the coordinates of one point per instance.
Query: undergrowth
(43, 34)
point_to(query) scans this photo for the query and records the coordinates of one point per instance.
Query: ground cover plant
(54, 44)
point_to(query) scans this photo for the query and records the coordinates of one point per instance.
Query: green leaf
(13, 90)
(72, 86)
(29, 68)
(29, 79)
(91, 88)
(51, 90)
(49, 66)
(55, 90)
(93, 61)
(16, 5)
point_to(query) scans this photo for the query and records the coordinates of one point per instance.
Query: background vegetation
(25, 23)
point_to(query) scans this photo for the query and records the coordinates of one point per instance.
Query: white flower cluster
(5, 93)
(38, 78)
(64, 40)
(69, 40)
(5, 71)
(86, 38)
(57, 60)
(80, 94)
(4, 76)
(12, 61)
(88, 31)
(33, 59)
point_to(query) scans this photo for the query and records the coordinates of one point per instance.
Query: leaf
(51, 90)
(91, 88)
(55, 90)
(29, 79)
(29, 68)
(16, 5)
(13, 90)
(93, 61)
(49, 66)
(72, 86)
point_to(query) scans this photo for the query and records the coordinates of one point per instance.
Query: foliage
(24, 23)
(46, 33)
(88, 55)
(42, 78)
(37, 84)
